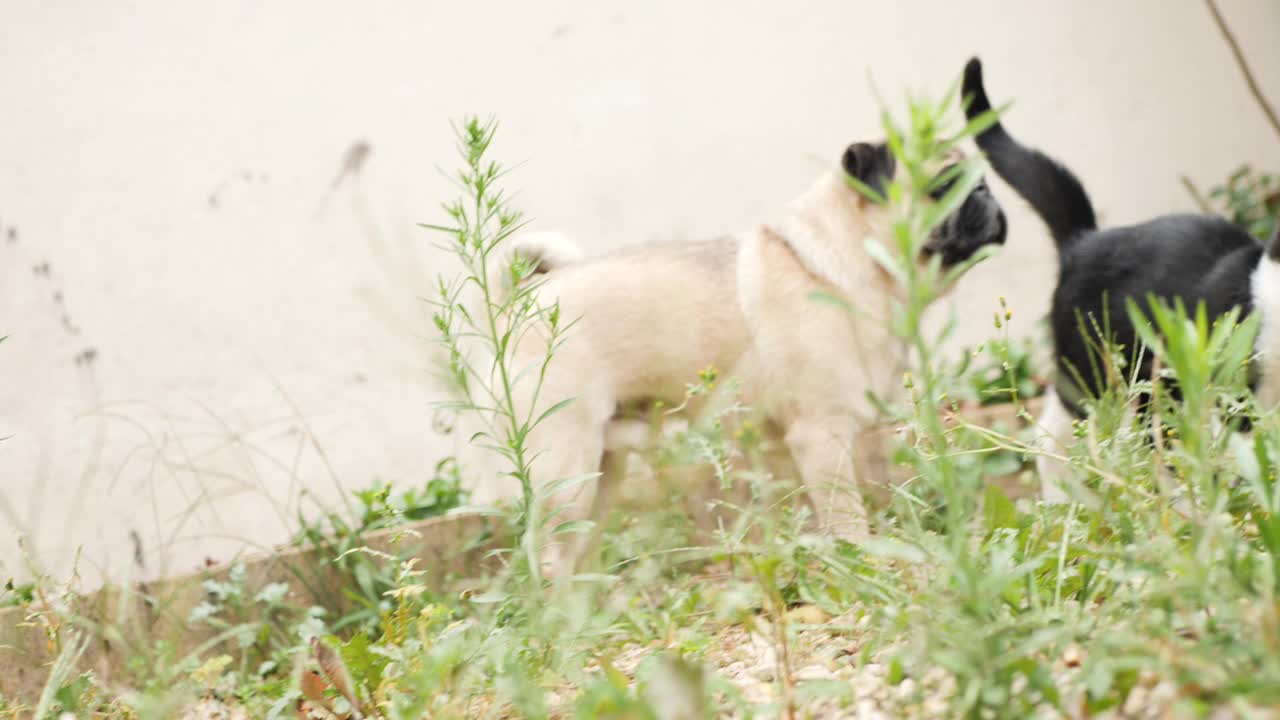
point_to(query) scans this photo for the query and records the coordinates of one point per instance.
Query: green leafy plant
(15, 594)
(1001, 371)
(341, 537)
(504, 316)
(1250, 199)
(380, 507)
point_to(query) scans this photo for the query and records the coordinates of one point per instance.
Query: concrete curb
(122, 619)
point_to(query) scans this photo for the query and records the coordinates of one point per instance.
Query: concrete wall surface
(204, 337)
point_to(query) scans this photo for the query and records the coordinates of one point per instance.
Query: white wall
(227, 331)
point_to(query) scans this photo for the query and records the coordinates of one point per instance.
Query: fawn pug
(649, 318)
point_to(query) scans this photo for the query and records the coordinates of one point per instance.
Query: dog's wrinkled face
(978, 222)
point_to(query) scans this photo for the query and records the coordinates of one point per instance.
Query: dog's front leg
(579, 552)
(563, 553)
(822, 450)
(569, 444)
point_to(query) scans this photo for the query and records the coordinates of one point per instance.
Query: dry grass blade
(335, 672)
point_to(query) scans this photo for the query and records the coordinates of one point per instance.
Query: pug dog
(649, 318)
(1197, 258)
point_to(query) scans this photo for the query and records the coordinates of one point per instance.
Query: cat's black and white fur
(1198, 258)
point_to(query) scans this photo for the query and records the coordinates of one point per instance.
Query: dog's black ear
(871, 164)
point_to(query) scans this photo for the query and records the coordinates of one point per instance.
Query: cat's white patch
(1265, 287)
(1053, 434)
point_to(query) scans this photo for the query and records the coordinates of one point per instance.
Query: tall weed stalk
(480, 337)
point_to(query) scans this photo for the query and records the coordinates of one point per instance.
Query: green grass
(1250, 199)
(1156, 586)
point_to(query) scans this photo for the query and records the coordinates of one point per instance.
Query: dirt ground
(209, 264)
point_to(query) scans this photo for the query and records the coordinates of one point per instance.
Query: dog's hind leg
(1053, 434)
(822, 448)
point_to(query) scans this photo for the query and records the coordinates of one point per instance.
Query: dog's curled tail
(545, 250)
(1052, 191)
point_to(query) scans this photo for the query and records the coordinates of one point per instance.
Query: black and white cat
(1198, 258)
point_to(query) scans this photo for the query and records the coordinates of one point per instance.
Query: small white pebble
(935, 707)
(1163, 694)
(1222, 712)
(1136, 701)
(867, 710)
(758, 692)
(865, 686)
(813, 672)
(1073, 656)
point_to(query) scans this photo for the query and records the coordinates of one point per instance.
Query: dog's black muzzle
(978, 222)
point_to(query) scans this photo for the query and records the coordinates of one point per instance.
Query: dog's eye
(944, 181)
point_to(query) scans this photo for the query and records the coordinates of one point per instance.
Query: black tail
(1055, 194)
